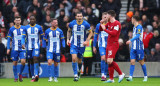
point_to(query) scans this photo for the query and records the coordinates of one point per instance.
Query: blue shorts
(53, 56)
(102, 51)
(16, 54)
(32, 53)
(137, 54)
(77, 50)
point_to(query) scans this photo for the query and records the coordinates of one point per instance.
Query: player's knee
(103, 57)
(109, 62)
(132, 62)
(23, 62)
(141, 62)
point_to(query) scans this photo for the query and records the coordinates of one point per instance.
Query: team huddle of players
(27, 39)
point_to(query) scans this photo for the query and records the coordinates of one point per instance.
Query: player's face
(17, 21)
(105, 18)
(133, 20)
(79, 17)
(32, 20)
(54, 23)
(109, 17)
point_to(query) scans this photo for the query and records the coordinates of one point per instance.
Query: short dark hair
(112, 13)
(104, 13)
(53, 19)
(17, 17)
(79, 13)
(136, 17)
(33, 16)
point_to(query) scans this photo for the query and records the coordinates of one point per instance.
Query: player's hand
(68, 42)
(23, 46)
(103, 27)
(85, 43)
(101, 21)
(94, 50)
(128, 42)
(8, 51)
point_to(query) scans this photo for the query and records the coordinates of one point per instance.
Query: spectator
(155, 18)
(147, 36)
(2, 51)
(66, 6)
(155, 6)
(47, 23)
(3, 39)
(49, 5)
(153, 57)
(80, 7)
(49, 13)
(35, 8)
(140, 5)
(154, 40)
(123, 52)
(95, 10)
(2, 20)
(74, 11)
(90, 17)
(112, 5)
(62, 14)
(157, 47)
(155, 26)
(145, 21)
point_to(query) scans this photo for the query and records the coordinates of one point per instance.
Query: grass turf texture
(82, 82)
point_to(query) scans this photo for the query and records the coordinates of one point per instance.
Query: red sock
(111, 71)
(116, 67)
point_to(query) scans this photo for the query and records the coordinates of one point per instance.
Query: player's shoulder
(98, 24)
(85, 22)
(117, 22)
(139, 26)
(38, 26)
(12, 28)
(58, 29)
(73, 22)
(46, 31)
(23, 27)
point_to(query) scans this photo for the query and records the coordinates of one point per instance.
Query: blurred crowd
(65, 10)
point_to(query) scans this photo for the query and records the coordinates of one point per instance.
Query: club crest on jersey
(36, 30)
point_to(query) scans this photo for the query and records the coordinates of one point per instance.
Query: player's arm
(41, 32)
(69, 33)
(63, 43)
(114, 31)
(95, 38)
(44, 39)
(24, 34)
(90, 35)
(136, 37)
(102, 27)
(10, 34)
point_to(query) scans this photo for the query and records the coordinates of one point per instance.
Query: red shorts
(111, 51)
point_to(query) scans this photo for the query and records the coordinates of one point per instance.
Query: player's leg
(103, 63)
(14, 57)
(79, 65)
(132, 65)
(56, 58)
(89, 66)
(140, 55)
(143, 65)
(22, 56)
(35, 55)
(30, 59)
(74, 66)
(49, 58)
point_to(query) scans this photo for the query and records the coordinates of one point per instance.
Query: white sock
(130, 77)
(75, 75)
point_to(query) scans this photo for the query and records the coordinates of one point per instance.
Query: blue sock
(49, 70)
(132, 69)
(56, 71)
(15, 71)
(36, 68)
(106, 69)
(144, 69)
(102, 66)
(79, 66)
(32, 69)
(21, 69)
(74, 66)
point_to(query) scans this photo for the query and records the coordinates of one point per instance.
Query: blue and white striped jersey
(79, 32)
(138, 43)
(102, 39)
(33, 34)
(15, 33)
(54, 37)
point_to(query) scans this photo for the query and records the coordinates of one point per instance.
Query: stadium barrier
(153, 69)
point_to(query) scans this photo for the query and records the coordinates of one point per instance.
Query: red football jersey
(114, 30)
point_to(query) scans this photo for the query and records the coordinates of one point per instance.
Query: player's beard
(109, 19)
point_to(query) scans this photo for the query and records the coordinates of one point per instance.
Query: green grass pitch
(82, 82)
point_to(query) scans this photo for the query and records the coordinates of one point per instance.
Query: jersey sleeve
(70, 25)
(44, 39)
(45, 35)
(139, 30)
(62, 39)
(87, 26)
(115, 30)
(10, 33)
(41, 31)
(96, 35)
